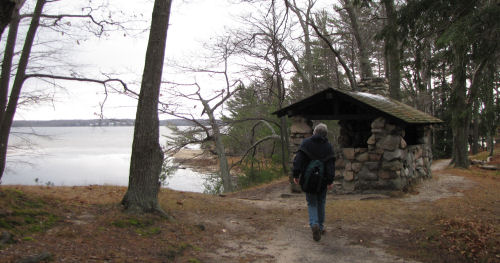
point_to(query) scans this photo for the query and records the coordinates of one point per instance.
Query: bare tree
(147, 155)
(25, 68)
(7, 115)
(264, 41)
(212, 130)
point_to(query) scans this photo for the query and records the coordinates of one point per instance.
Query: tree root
(163, 214)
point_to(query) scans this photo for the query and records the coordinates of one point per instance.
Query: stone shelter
(383, 144)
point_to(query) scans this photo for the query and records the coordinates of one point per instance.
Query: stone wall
(387, 163)
(300, 129)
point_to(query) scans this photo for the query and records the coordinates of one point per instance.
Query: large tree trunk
(147, 155)
(490, 110)
(10, 111)
(423, 76)
(460, 113)
(392, 51)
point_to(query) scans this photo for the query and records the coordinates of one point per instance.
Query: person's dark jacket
(315, 147)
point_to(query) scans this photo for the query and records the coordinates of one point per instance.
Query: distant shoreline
(97, 123)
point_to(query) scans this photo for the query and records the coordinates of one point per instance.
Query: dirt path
(296, 245)
(292, 240)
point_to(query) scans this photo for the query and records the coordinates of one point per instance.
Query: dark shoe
(316, 233)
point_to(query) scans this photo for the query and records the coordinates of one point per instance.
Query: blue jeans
(316, 208)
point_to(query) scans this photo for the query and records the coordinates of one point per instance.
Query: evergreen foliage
(250, 119)
(252, 133)
(464, 37)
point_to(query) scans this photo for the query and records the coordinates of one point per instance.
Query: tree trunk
(6, 9)
(364, 58)
(348, 72)
(392, 50)
(8, 56)
(304, 17)
(280, 93)
(225, 174)
(460, 114)
(221, 154)
(490, 145)
(283, 124)
(475, 129)
(425, 78)
(10, 111)
(147, 155)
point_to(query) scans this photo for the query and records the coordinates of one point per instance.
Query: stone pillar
(301, 128)
(426, 149)
(387, 141)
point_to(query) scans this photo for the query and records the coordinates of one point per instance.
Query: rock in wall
(388, 162)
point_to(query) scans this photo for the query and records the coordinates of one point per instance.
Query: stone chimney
(378, 86)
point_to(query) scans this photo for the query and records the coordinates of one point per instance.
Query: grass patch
(142, 226)
(22, 215)
(482, 156)
(148, 231)
(257, 172)
(177, 250)
(28, 238)
(132, 222)
(87, 221)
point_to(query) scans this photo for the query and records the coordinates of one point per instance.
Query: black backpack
(314, 177)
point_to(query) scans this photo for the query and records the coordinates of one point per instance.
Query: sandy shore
(196, 159)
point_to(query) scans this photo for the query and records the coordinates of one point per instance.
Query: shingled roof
(336, 104)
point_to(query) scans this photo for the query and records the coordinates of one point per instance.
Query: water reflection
(81, 156)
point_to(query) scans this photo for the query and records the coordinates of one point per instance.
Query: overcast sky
(192, 23)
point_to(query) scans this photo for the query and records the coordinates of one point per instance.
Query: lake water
(68, 156)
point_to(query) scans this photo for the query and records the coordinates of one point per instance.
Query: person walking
(313, 148)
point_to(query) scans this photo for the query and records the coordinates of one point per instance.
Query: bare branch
(351, 78)
(254, 119)
(103, 82)
(270, 137)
